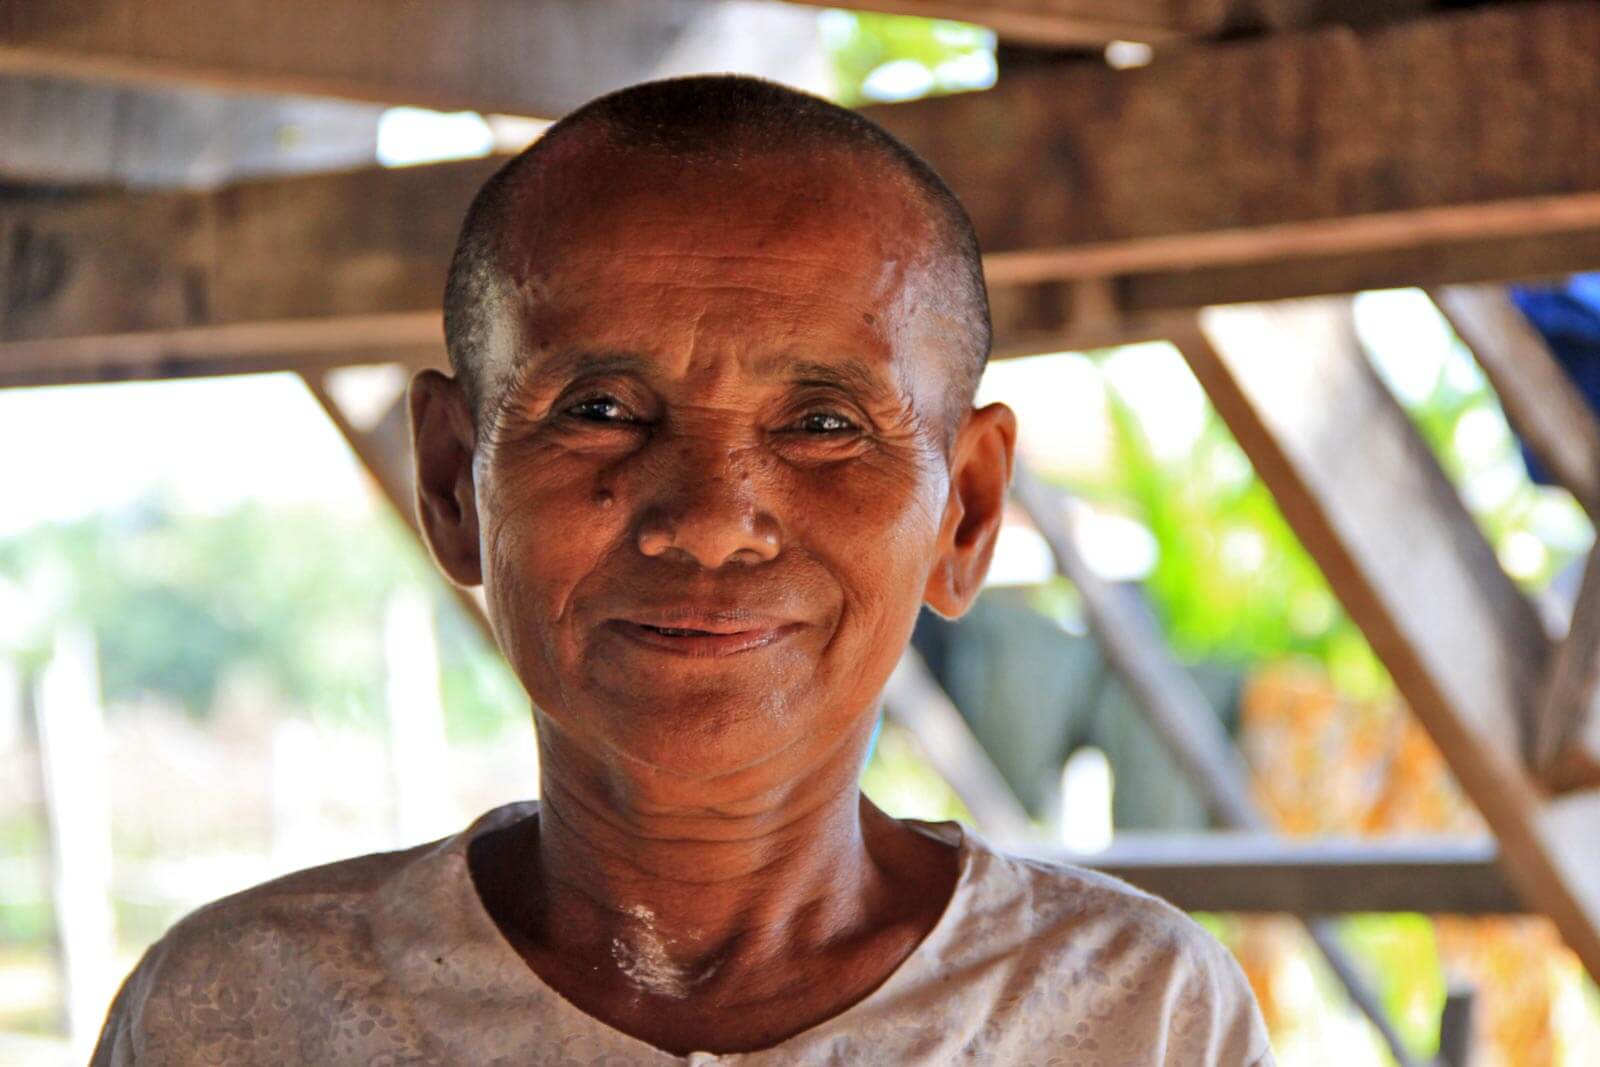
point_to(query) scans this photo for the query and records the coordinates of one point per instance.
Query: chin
(695, 730)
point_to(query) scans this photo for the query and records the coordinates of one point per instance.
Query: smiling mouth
(700, 643)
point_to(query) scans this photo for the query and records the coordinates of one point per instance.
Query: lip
(717, 633)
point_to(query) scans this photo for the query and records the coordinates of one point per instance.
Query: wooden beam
(1308, 878)
(1541, 402)
(1321, 144)
(370, 242)
(318, 270)
(1296, 148)
(1319, 162)
(914, 699)
(1178, 712)
(413, 338)
(384, 450)
(62, 132)
(1567, 724)
(1547, 411)
(1367, 498)
(520, 57)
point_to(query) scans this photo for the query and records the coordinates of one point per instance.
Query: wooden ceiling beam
(1307, 146)
(55, 131)
(1312, 163)
(520, 57)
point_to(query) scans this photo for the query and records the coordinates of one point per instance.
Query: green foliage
(181, 605)
(1400, 955)
(1231, 581)
(860, 43)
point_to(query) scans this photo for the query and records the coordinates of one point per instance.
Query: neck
(681, 881)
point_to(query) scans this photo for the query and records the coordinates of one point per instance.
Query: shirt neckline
(511, 962)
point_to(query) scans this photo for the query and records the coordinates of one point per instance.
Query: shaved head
(691, 129)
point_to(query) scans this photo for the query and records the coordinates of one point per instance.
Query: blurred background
(224, 656)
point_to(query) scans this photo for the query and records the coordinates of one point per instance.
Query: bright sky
(210, 444)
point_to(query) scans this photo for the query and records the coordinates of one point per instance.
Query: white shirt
(391, 959)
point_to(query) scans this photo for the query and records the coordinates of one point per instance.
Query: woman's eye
(825, 422)
(599, 409)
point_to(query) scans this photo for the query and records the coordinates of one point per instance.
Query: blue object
(1567, 316)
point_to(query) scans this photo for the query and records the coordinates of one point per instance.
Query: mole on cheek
(605, 498)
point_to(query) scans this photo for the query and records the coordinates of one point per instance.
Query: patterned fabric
(391, 959)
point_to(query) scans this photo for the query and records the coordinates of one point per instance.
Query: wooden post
(419, 754)
(1179, 713)
(72, 755)
(915, 700)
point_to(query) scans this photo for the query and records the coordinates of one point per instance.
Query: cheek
(877, 526)
(543, 533)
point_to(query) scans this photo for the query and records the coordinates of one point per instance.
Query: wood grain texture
(1544, 406)
(1448, 111)
(522, 57)
(1566, 750)
(55, 131)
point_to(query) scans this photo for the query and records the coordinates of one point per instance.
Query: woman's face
(713, 492)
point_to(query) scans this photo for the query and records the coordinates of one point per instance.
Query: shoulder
(1135, 957)
(269, 964)
(330, 903)
(207, 982)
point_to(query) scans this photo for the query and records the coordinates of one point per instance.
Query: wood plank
(413, 338)
(1270, 143)
(321, 247)
(1323, 142)
(1179, 713)
(62, 132)
(914, 699)
(1544, 406)
(1368, 500)
(1144, 205)
(316, 270)
(1227, 871)
(1541, 402)
(1566, 738)
(385, 451)
(521, 57)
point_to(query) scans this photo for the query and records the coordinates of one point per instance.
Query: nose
(707, 510)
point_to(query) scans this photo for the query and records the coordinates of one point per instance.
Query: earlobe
(442, 442)
(980, 477)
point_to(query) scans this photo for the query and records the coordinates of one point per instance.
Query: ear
(980, 475)
(442, 443)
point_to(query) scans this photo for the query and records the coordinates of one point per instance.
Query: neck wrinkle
(685, 891)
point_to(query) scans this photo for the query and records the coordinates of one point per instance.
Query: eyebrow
(849, 375)
(569, 362)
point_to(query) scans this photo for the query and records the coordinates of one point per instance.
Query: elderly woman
(709, 446)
